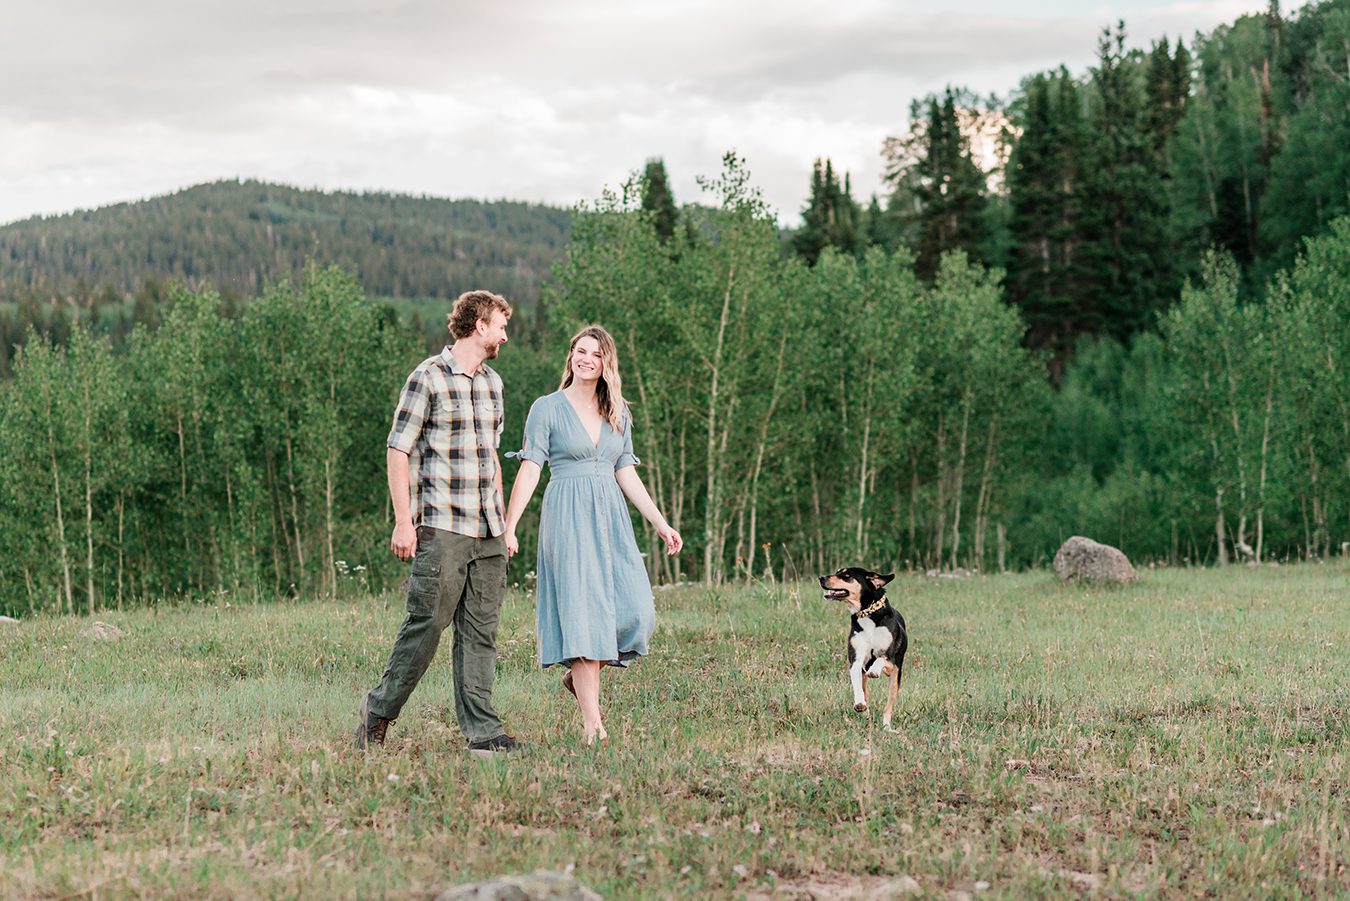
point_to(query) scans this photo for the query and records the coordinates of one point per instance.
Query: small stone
(1088, 882)
(8, 619)
(903, 887)
(541, 886)
(102, 632)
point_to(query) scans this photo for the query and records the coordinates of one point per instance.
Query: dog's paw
(887, 727)
(861, 706)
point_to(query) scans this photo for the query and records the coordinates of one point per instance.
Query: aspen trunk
(940, 507)
(710, 515)
(1238, 456)
(985, 497)
(182, 488)
(277, 519)
(959, 490)
(28, 583)
(234, 529)
(1261, 485)
(862, 485)
(295, 513)
(913, 508)
(819, 536)
(1319, 527)
(656, 560)
(740, 553)
(759, 455)
(331, 570)
(1218, 503)
(680, 491)
(89, 499)
(121, 548)
(60, 521)
(1218, 527)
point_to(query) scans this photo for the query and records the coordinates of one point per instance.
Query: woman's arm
(527, 479)
(636, 492)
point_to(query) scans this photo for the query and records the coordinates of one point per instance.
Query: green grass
(1184, 737)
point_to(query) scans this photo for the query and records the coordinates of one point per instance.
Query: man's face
(492, 332)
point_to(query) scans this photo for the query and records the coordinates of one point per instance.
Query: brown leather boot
(370, 730)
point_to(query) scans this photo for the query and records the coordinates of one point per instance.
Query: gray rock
(8, 619)
(904, 887)
(541, 886)
(102, 632)
(1083, 558)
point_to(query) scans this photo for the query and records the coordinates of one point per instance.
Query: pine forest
(1114, 303)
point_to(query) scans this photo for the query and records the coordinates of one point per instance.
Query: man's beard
(492, 351)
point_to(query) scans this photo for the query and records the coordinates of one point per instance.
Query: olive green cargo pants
(456, 581)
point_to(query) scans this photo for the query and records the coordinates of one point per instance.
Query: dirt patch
(785, 755)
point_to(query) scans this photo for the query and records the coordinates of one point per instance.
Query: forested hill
(241, 236)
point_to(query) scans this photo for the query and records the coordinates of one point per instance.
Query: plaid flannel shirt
(451, 423)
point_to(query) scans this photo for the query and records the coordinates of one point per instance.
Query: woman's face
(586, 362)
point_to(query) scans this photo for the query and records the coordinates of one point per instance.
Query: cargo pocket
(424, 585)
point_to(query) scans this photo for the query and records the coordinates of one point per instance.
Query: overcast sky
(541, 100)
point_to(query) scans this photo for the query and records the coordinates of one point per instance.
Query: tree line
(791, 418)
(111, 268)
(1100, 194)
(1130, 325)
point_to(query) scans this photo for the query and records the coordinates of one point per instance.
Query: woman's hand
(672, 539)
(512, 544)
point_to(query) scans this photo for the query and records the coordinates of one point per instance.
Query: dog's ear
(878, 581)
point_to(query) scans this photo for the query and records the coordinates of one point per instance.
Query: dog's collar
(881, 602)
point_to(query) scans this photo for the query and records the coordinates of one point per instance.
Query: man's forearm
(397, 464)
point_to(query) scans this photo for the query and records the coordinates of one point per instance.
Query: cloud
(528, 99)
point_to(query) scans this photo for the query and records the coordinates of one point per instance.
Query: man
(450, 418)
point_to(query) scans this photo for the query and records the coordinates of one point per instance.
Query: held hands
(512, 544)
(404, 542)
(672, 539)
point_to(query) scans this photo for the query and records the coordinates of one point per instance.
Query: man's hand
(404, 542)
(512, 545)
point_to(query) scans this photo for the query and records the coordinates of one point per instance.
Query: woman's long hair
(609, 390)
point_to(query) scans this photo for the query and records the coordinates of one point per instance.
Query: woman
(594, 602)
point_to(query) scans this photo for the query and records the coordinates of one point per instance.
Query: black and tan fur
(877, 640)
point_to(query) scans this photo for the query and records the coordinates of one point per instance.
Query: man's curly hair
(472, 306)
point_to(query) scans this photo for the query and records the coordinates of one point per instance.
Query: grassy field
(1184, 737)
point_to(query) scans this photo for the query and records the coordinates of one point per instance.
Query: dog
(877, 640)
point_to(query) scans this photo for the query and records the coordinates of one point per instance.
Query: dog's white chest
(872, 640)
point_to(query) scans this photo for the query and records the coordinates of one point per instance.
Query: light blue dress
(594, 599)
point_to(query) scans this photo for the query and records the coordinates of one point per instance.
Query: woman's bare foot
(590, 736)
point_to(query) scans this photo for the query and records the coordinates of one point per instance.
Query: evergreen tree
(951, 197)
(1126, 255)
(1310, 178)
(1045, 185)
(1167, 84)
(832, 218)
(1223, 147)
(878, 227)
(658, 200)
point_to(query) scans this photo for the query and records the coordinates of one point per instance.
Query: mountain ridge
(241, 235)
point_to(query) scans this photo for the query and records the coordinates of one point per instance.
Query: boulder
(102, 632)
(541, 886)
(1083, 558)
